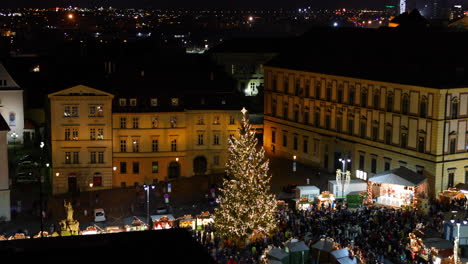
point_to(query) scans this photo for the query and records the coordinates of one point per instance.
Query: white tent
(399, 176)
(309, 191)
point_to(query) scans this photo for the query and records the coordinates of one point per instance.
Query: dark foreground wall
(161, 246)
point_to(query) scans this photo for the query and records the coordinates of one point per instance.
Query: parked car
(99, 215)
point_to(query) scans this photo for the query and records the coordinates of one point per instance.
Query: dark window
(390, 103)
(375, 133)
(295, 143)
(306, 117)
(296, 115)
(286, 84)
(451, 178)
(362, 132)
(352, 95)
(421, 144)
(285, 112)
(297, 87)
(317, 91)
(123, 167)
(327, 121)
(329, 94)
(340, 96)
(388, 136)
(374, 165)
(275, 84)
(453, 144)
(454, 110)
(404, 140)
(273, 109)
(317, 119)
(339, 122)
(136, 167)
(361, 162)
(387, 165)
(273, 136)
(285, 140)
(363, 98)
(405, 105)
(376, 101)
(350, 127)
(306, 146)
(466, 176)
(423, 109)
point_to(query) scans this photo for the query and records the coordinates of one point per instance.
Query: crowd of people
(372, 233)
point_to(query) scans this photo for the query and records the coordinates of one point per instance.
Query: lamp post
(40, 189)
(147, 189)
(14, 136)
(457, 240)
(294, 163)
(343, 177)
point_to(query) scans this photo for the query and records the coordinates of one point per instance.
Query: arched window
(390, 102)
(351, 95)
(318, 88)
(455, 108)
(376, 100)
(364, 98)
(423, 107)
(405, 104)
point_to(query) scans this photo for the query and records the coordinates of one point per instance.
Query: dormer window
(154, 101)
(37, 68)
(122, 102)
(223, 101)
(174, 101)
(133, 102)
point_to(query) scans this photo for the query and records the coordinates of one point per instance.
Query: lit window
(92, 134)
(136, 145)
(66, 111)
(175, 101)
(100, 110)
(67, 158)
(154, 101)
(154, 167)
(74, 134)
(133, 102)
(174, 145)
(37, 68)
(173, 121)
(216, 120)
(122, 102)
(100, 135)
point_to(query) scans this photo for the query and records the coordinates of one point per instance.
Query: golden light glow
(70, 16)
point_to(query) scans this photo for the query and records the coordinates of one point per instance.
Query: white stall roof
(308, 188)
(157, 217)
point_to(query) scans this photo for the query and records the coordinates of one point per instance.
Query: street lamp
(457, 240)
(40, 190)
(343, 177)
(147, 189)
(14, 136)
(294, 163)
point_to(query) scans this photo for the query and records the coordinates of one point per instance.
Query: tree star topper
(244, 110)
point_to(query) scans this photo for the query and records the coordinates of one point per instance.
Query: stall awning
(399, 176)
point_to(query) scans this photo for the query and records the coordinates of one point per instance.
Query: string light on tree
(247, 208)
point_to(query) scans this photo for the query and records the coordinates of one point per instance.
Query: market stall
(427, 245)
(303, 203)
(282, 205)
(298, 252)
(398, 187)
(325, 199)
(278, 254)
(342, 256)
(451, 194)
(321, 249)
(163, 221)
(204, 219)
(187, 221)
(136, 225)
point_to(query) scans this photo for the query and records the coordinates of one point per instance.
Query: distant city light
(70, 16)
(335, 24)
(250, 18)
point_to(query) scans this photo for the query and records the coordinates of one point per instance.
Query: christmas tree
(247, 208)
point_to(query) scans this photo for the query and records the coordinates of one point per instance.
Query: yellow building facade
(98, 146)
(379, 125)
(81, 137)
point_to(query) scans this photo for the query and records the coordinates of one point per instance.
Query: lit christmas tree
(247, 208)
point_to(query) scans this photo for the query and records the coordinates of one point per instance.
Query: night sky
(213, 3)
